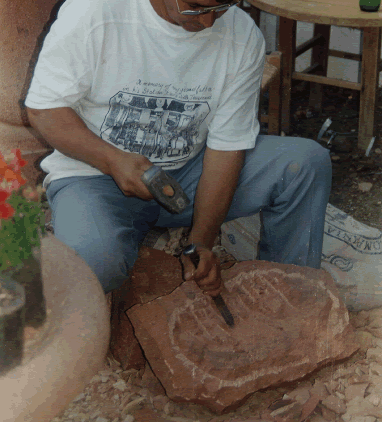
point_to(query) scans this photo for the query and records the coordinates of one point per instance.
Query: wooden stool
(316, 73)
(324, 13)
(271, 82)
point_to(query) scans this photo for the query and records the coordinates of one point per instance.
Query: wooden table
(324, 13)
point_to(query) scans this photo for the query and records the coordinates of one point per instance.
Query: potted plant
(22, 223)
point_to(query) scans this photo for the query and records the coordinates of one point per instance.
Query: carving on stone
(286, 325)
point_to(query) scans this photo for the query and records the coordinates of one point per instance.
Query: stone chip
(335, 404)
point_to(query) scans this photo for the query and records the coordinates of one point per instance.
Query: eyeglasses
(219, 8)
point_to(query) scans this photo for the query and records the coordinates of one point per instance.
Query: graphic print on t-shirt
(157, 127)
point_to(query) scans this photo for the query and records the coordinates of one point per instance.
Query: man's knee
(109, 262)
(311, 151)
(310, 158)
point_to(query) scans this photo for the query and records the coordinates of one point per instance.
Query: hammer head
(165, 190)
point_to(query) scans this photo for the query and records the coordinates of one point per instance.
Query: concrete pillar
(24, 24)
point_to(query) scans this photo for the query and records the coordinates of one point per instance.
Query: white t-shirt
(148, 86)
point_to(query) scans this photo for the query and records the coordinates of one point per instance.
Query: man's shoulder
(243, 27)
(93, 10)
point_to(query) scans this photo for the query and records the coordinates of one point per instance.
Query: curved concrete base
(72, 348)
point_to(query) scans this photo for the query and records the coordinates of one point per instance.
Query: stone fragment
(375, 322)
(126, 398)
(95, 414)
(329, 415)
(358, 379)
(148, 415)
(309, 406)
(376, 332)
(319, 390)
(339, 394)
(374, 354)
(377, 342)
(365, 186)
(289, 321)
(169, 408)
(126, 375)
(374, 399)
(79, 398)
(300, 395)
(361, 319)
(159, 402)
(120, 385)
(359, 407)
(281, 403)
(364, 419)
(238, 419)
(288, 409)
(332, 386)
(362, 367)
(95, 379)
(342, 373)
(355, 390)
(375, 369)
(105, 373)
(133, 405)
(375, 314)
(154, 274)
(103, 388)
(334, 404)
(376, 385)
(317, 418)
(129, 418)
(365, 339)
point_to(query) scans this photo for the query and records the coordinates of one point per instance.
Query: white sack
(352, 254)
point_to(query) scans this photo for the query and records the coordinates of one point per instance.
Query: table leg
(287, 46)
(371, 49)
(274, 95)
(319, 56)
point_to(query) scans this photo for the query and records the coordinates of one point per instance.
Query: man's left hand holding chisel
(205, 272)
(193, 253)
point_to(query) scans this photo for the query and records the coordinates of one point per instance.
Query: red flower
(3, 167)
(6, 211)
(17, 162)
(4, 195)
(10, 176)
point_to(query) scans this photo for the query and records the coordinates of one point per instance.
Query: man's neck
(160, 9)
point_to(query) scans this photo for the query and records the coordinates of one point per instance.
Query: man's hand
(207, 274)
(127, 169)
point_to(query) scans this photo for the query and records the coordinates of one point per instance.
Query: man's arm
(217, 185)
(65, 131)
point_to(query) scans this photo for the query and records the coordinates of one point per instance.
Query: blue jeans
(288, 179)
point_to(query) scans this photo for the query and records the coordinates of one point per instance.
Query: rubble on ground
(132, 395)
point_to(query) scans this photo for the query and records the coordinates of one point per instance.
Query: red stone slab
(289, 321)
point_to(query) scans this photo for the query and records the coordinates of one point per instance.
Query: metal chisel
(190, 251)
